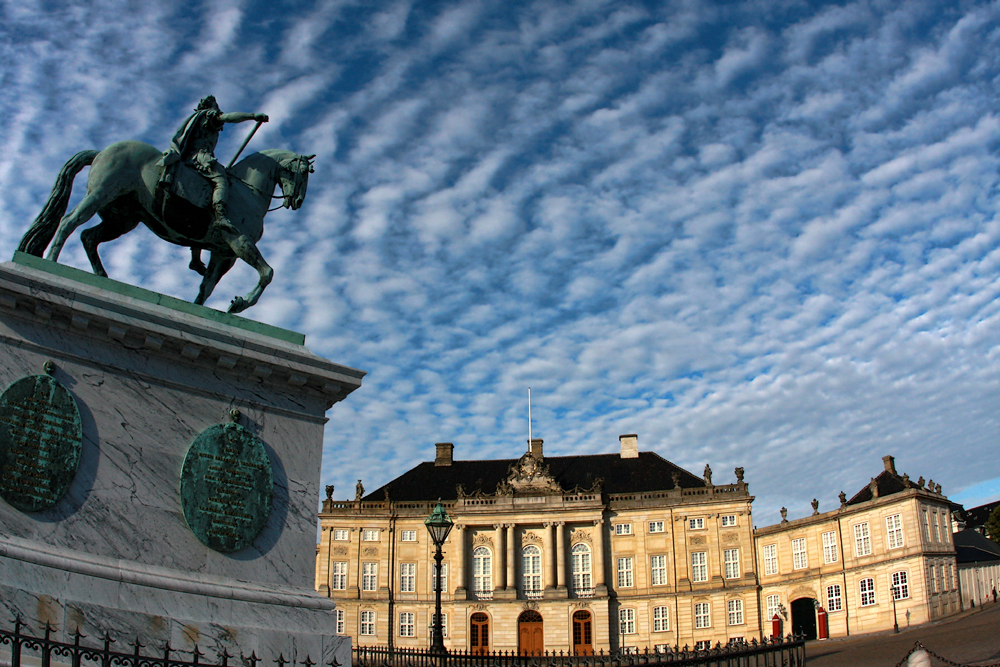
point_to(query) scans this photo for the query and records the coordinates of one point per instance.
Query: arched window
(582, 584)
(531, 571)
(482, 573)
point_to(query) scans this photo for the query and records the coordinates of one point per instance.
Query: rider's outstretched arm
(240, 116)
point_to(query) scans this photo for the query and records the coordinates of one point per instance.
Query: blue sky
(757, 234)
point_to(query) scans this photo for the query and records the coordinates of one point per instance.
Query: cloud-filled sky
(758, 234)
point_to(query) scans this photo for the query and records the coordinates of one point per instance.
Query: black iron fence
(779, 652)
(20, 649)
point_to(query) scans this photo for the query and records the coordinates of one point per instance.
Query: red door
(530, 637)
(479, 634)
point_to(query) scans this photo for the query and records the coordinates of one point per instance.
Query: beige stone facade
(648, 555)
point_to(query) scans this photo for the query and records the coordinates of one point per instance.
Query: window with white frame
(407, 628)
(936, 526)
(867, 588)
(662, 648)
(894, 531)
(531, 570)
(482, 570)
(626, 621)
(950, 577)
(702, 615)
(341, 534)
(927, 526)
(834, 599)
(728, 520)
(696, 524)
(369, 535)
(369, 576)
(862, 540)
(735, 611)
(656, 526)
(703, 644)
(658, 570)
(623, 529)
(407, 536)
(580, 563)
(943, 516)
(830, 547)
(407, 578)
(444, 624)
(366, 624)
(900, 585)
(941, 584)
(661, 619)
(933, 579)
(444, 577)
(773, 606)
(341, 626)
(338, 578)
(799, 558)
(770, 559)
(625, 572)
(732, 558)
(699, 566)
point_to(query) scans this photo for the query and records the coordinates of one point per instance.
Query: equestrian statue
(184, 196)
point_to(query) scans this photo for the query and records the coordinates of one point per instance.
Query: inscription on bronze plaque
(40, 441)
(226, 487)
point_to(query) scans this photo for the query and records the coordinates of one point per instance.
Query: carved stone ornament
(340, 551)
(698, 539)
(529, 475)
(581, 604)
(730, 537)
(530, 606)
(370, 551)
(480, 607)
(580, 536)
(531, 538)
(482, 540)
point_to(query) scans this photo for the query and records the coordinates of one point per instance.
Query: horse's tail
(39, 235)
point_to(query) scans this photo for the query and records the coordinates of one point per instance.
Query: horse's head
(294, 178)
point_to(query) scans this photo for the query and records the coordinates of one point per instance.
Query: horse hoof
(238, 305)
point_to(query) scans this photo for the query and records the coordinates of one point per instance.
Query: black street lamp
(438, 525)
(895, 620)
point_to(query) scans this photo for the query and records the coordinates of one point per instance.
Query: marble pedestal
(149, 373)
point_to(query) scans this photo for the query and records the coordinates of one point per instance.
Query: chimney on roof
(630, 446)
(443, 454)
(535, 447)
(890, 464)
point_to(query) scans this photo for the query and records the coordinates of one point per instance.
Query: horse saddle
(181, 180)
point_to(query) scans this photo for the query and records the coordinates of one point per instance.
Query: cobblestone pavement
(969, 638)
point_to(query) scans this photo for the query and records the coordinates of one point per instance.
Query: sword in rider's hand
(245, 142)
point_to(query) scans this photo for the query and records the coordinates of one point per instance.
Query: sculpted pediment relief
(528, 475)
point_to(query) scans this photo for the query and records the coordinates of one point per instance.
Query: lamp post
(438, 525)
(895, 619)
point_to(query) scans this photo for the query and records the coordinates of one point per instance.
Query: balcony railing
(482, 595)
(534, 594)
(584, 592)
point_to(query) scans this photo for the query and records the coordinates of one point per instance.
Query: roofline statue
(184, 196)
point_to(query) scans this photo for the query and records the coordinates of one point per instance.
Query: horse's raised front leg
(109, 230)
(83, 212)
(246, 250)
(218, 265)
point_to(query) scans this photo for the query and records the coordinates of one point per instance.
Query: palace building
(625, 550)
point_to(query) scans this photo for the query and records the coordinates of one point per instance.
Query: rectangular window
(728, 520)
(444, 577)
(927, 527)
(940, 586)
(799, 559)
(661, 619)
(773, 606)
(340, 535)
(937, 526)
(770, 559)
(340, 622)
(626, 621)
(696, 524)
(735, 609)
(407, 536)
(834, 600)
(656, 526)
(623, 529)
(699, 566)
(406, 625)
(369, 576)
(702, 615)
(408, 578)
(830, 547)
(900, 586)
(338, 579)
(944, 527)
(933, 579)
(733, 564)
(867, 587)
(894, 531)
(369, 535)
(444, 624)
(625, 572)
(658, 570)
(703, 645)
(367, 624)
(862, 540)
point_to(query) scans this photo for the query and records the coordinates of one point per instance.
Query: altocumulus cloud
(757, 235)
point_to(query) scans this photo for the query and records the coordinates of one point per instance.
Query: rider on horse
(194, 143)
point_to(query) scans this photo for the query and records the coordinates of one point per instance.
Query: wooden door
(530, 636)
(479, 634)
(583, 633)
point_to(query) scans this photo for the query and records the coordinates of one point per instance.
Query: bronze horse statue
(122, 188)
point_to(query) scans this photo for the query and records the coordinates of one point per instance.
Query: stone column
(458, 562)
(500, 566)
(561, 557)
(600, 588)
(548, 573)
(511, 559)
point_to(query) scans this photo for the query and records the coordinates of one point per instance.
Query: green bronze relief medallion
(226, 487)
(41, 436)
